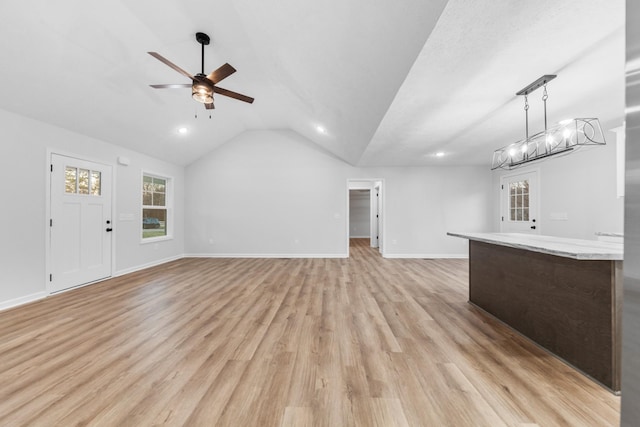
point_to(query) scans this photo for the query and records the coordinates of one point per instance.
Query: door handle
(533, 227)
(109, 229)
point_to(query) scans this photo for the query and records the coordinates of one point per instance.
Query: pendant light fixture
(564, 137)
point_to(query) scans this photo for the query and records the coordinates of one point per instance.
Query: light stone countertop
(560, 246)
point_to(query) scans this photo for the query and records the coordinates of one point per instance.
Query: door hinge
(51, 277)
(502, 187)
(502, 218)
(50, 222)
(52, 167)
(377, 216)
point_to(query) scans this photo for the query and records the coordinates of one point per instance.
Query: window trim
(168, 206)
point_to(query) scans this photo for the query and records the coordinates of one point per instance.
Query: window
(519, 200)
(156, 209)
(82, 181)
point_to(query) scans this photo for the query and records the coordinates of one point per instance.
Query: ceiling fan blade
(209, 106)
(170, 64)
(221, 73)
(176, 86)
(231, 94)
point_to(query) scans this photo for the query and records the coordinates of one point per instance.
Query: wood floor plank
(363, 341)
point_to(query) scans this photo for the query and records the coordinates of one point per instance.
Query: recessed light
(182, 130)
(440, 154)
(321, 129)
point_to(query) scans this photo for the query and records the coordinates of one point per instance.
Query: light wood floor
(283, 342)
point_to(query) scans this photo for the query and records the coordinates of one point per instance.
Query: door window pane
(70, 180)
(96, 183)
(83, 181)
(519, 200)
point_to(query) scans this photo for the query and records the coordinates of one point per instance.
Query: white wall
(582, 185)
(266, 193)
(270, 193)
(359, 213)
(23, 172)
(421, 204)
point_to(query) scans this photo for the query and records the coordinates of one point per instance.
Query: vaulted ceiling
(390, 82)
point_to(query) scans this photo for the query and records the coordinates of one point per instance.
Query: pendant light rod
(537, 84)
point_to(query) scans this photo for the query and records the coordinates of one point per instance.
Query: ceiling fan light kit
(202, 86)
(562, 138)
(201, 92)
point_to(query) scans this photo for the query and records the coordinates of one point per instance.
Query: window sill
(155, 239)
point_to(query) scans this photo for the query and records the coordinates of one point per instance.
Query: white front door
(80, 223)
(519, 200)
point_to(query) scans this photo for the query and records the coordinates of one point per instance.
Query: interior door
(375, 216)
(379, 195)
(519, 199)
(80, 223)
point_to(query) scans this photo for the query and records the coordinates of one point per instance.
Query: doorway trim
(367, 184)
(47, 217)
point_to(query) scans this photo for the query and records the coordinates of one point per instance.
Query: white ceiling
(391, 82)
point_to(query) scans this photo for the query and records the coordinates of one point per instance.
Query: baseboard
(266, 256)
(4, 305)
(428, 256)
(147, 265)
(359, 237)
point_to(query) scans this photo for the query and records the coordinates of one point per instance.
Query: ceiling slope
(336, 64)
(459, 97)
(390, 83)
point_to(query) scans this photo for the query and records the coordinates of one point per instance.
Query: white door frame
(502, 197)
(47, 218)
(368, 184)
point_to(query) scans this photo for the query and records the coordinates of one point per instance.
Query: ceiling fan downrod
(203, 39)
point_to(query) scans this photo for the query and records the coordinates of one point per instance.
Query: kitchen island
(564, 294)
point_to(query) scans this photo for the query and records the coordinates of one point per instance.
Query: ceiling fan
(203, 86)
